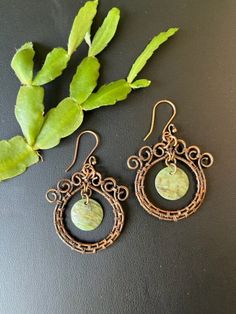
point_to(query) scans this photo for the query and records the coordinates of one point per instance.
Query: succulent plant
(43, 131)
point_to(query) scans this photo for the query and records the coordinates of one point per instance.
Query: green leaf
(81, 25)
(15, 156)
(106, 32)
(29, 111)
(85, 79)
(148, 52)
(140, 84)
(59, 122)
(55, 62)
(22, 63)
(108, 95)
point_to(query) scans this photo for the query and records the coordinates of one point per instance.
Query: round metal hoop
(82, 247)
(171, 215)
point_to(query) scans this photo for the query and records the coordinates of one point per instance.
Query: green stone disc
(86, 217)
(172, 186)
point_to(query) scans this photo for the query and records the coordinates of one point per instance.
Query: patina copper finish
(85, 182)
(170, 150)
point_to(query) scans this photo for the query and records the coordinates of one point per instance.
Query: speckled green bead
(172, 186)
(86, 217)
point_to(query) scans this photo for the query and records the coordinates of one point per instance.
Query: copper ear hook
(153, 117)
(77, 148)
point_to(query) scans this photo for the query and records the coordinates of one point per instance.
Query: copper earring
(87, 213)
(171, 182)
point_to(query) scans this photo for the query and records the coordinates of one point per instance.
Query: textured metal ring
(171, 214)
(83, 247)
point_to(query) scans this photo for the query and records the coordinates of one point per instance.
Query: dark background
(154, 267)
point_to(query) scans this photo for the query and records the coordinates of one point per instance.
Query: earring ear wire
(77, 147)
(154, 113)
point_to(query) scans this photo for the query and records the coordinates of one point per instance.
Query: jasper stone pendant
(87, 216)
(172, 184)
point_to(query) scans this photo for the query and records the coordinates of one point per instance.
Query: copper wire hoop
(170, 149)
(171, 214)
(87, 181)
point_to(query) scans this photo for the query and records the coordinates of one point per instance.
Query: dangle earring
(171, 182)
(87, 213)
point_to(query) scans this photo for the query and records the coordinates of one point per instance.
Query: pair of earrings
(171, 182)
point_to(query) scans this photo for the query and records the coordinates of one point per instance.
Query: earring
(171, 182)
(87, 213)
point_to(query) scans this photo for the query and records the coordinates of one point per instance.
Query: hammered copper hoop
(170, 148)
(89, 180)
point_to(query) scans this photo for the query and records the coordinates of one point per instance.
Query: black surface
(154, 267)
